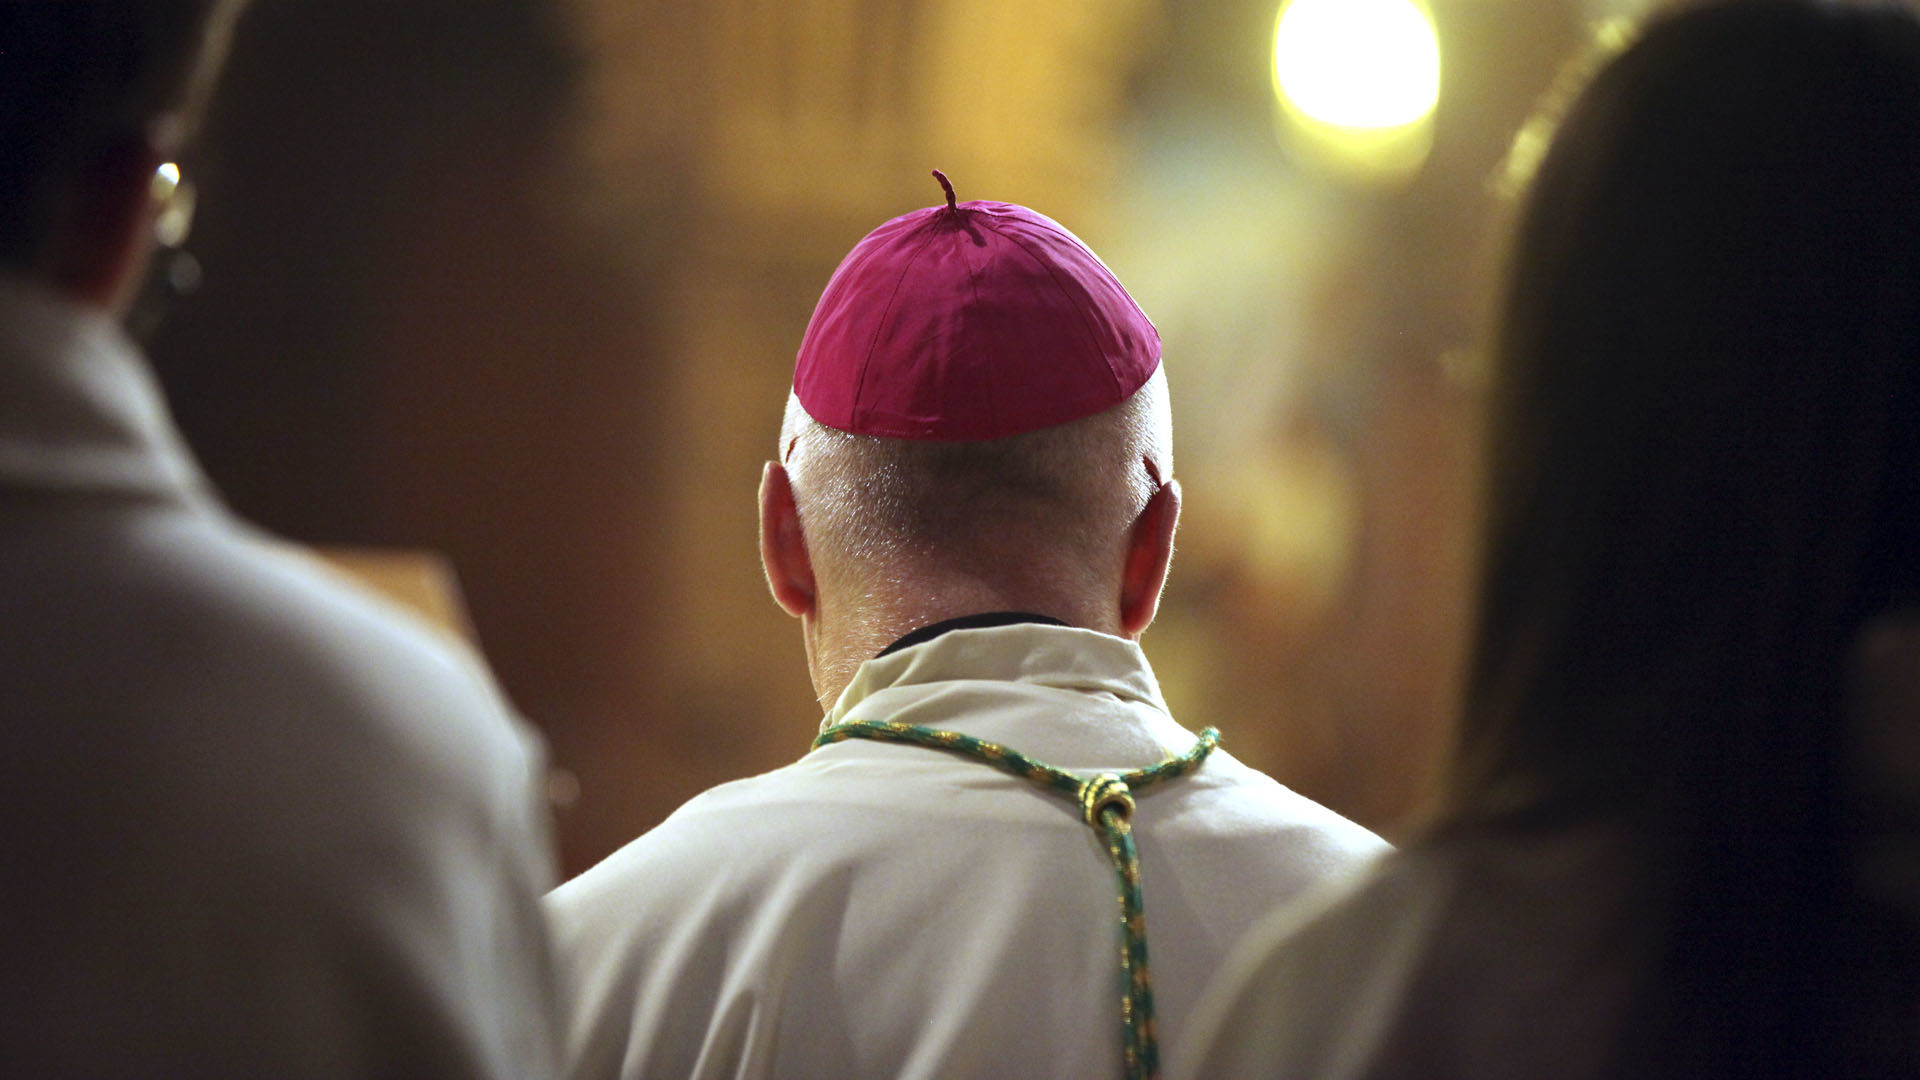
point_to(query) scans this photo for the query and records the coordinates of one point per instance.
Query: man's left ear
(1149, 553)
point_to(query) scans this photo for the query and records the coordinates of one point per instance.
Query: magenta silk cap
(970, 321)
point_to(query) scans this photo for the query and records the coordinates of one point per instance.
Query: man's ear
(103, 233)
(1149, 553)
(783, 549)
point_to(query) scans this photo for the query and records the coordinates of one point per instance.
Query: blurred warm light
(1358, 81)
(1358, 63)
(1611, 36)
(1296, 511)
(173, 198)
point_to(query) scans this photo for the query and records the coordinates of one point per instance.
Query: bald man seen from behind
(1002, 857)
(254, 822)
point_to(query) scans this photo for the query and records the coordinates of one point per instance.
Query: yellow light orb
(1363, 64)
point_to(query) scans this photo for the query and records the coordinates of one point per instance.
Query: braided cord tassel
(1106, 804)
(1138, 1044)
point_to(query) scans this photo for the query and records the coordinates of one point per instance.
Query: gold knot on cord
(1098, 793)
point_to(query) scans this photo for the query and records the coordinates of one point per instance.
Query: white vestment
(255, 823)
(1483, 957)
(889, 911)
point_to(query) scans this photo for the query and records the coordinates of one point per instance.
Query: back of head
(978, 417)
(1705, 479)
(85, 79)
(1045, 510)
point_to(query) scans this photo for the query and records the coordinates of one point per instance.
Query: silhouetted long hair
(1705, 477)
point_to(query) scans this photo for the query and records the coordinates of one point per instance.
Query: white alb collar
(1075, 698)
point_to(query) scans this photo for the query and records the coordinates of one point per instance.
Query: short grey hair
(1064, 494)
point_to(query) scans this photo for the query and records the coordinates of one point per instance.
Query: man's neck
(967, 622)
(843, 638)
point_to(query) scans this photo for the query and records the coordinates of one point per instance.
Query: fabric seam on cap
(973, 286)
(1085, 323)
(866, 362)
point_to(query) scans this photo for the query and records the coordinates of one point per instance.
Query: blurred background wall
(521, 281)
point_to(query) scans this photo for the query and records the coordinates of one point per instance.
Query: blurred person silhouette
(256, 823)
(1667, 844)
(971, 514)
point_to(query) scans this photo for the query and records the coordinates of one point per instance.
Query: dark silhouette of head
(96, 93)
(1704, 483)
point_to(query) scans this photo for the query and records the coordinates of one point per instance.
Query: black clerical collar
(969, 622)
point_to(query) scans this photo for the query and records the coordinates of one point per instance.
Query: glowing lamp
(1357, 82)
(1358, 63)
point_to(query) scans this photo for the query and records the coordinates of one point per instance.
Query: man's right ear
(783, 548)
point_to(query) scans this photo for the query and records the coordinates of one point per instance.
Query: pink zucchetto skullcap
(970, 321)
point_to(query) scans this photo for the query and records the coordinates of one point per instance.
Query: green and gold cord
(1106, 804)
